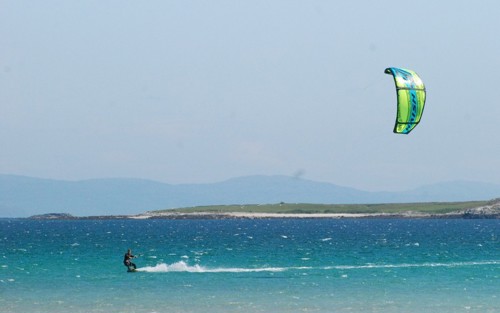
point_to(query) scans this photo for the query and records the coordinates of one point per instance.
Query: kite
(411, 99)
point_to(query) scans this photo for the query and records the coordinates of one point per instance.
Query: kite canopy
(411, 99)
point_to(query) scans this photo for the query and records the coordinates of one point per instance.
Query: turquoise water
(243, 265)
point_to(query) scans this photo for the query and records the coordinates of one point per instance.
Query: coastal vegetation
(470, 209)
(391, 208)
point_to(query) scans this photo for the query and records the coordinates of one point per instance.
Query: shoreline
(259, 215)
(256, 215)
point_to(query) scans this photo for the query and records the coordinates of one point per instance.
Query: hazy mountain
(24, 196)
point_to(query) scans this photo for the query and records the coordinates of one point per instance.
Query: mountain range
(22, 196)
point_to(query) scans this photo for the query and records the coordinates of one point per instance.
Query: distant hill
(25, 196)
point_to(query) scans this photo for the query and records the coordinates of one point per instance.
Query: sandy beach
(258, 215)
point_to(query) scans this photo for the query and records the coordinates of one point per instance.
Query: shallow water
(276, 265)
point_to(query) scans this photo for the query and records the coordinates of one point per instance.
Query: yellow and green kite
(411, 99)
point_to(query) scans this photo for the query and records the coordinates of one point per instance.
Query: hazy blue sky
(203, 91)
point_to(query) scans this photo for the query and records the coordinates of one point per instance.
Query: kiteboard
(131, 270)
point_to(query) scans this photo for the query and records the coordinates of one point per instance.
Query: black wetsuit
(127, 260)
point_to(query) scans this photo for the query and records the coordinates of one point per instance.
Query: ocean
(250, 265)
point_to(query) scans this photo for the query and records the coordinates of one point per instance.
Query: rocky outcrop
(66, 216)
(53, 216)
(490, 210)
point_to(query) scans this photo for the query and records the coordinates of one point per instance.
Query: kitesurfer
(127, 259)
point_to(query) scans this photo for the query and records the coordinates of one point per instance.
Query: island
(466, 210)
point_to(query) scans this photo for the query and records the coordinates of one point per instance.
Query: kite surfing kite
(411, 99)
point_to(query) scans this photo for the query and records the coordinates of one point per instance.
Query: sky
(204, 91)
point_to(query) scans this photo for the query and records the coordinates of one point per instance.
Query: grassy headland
(392, 208)
(470, 209)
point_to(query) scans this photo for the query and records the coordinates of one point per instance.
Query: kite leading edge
(411, 99)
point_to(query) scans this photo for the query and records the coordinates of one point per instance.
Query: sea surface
(251, 265)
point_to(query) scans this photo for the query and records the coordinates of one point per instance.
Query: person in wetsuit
(127, 259)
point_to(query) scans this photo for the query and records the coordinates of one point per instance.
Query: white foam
(451, 264)
(182, 266)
